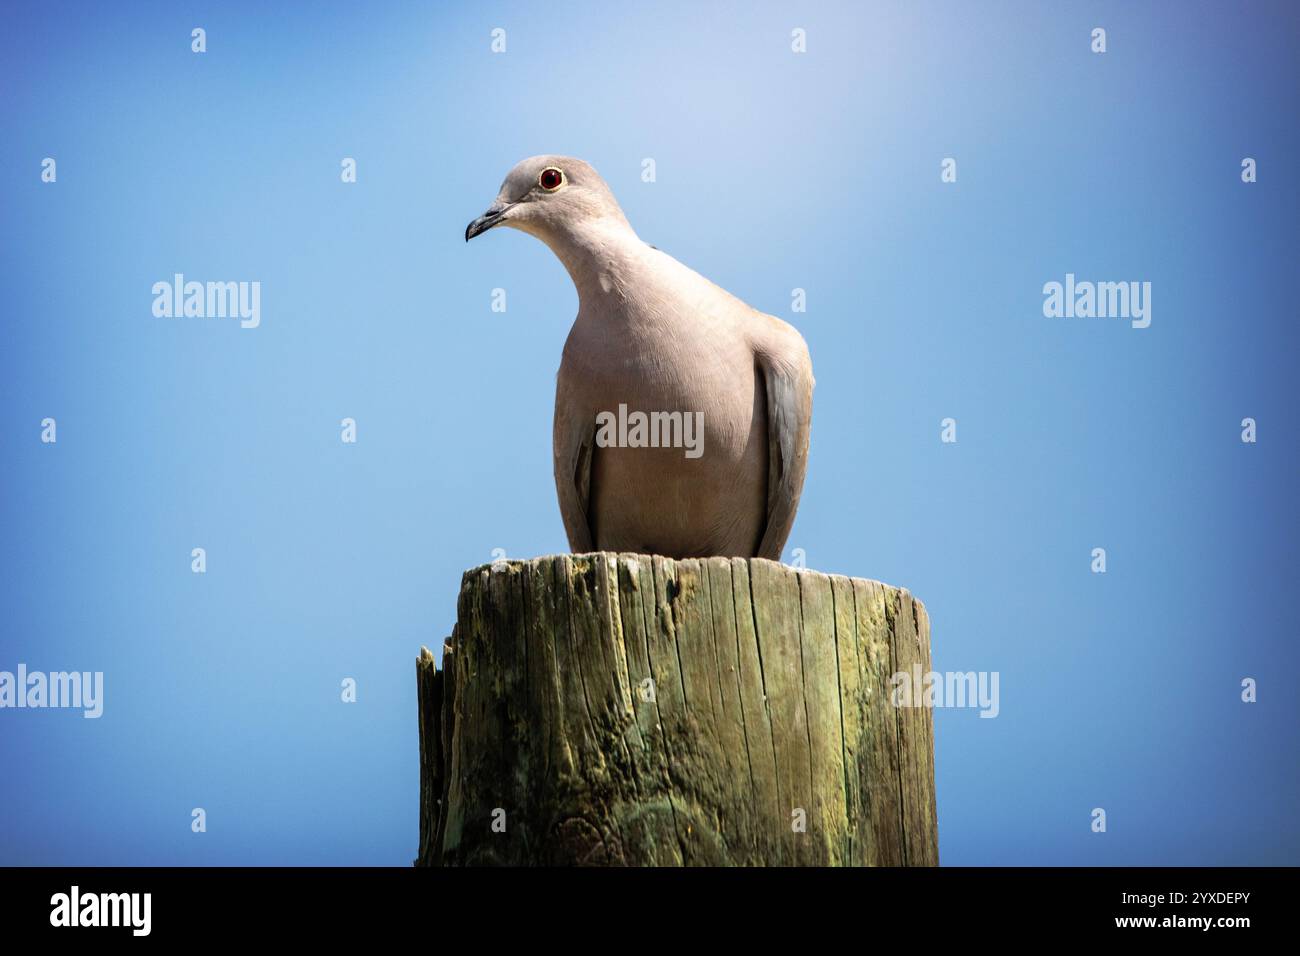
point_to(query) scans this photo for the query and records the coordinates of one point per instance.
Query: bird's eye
(550, 179)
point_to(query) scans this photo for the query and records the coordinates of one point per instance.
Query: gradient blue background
(775, 171)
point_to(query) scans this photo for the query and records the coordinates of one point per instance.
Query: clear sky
(775, 170)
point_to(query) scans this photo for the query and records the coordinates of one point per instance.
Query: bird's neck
(599, 256)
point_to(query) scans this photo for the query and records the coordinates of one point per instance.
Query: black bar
(332, 905)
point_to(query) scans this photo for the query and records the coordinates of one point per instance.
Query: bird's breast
(663, 374)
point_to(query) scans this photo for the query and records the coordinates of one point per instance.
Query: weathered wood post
(624, 709)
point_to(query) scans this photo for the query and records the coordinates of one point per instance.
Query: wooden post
(618, 709)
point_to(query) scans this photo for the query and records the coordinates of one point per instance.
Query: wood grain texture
(619, 709)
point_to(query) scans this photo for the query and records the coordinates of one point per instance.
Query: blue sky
(775, 171)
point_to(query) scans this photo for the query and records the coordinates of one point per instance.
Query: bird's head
(547, 196)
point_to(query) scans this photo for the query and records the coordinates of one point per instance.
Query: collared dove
(728, 388)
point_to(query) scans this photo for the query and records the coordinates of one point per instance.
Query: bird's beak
(483, 223)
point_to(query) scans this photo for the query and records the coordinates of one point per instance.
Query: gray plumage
(655, 336)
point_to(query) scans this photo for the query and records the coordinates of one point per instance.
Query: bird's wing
(573, 439)
(789, 386)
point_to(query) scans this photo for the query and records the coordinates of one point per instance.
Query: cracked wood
(619, 709)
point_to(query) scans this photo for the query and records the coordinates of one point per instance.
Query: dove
(682, 415)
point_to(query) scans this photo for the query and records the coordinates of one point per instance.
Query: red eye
(550, 179)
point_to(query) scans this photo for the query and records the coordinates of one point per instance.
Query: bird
(656, 343)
